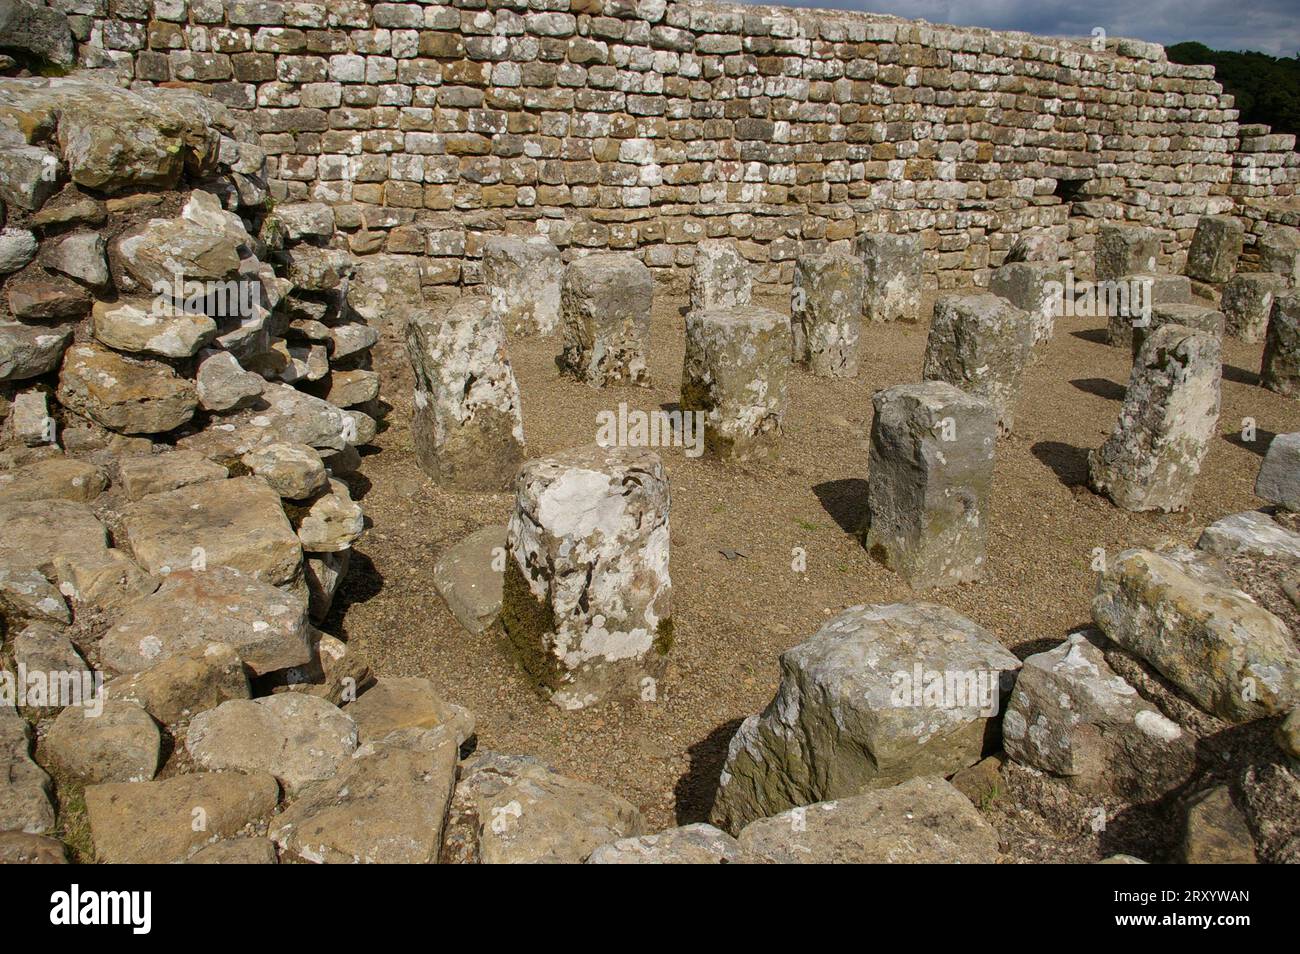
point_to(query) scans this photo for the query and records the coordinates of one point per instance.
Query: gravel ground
(733, 617)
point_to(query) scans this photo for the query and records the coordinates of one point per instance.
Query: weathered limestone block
(921, 821)
(30, 419)
(1279, 252)
(1035, 288)
(26, 594)
(192, 608)
(1252, 534)
(1247, 302)
(158, 473)
(21, 848)
(826, 314)
(329, 522)
(294, 471)
(386, 805)
(720, 277)
(296, 737)
(929, 475)
(1216, 246)
(1072, 716)
(510, 809)
(138, 327)
(468, 576)
(696, 844)
(1279, 476)
(105, 579)
(28, 175)
(28, 351)
(1170, 411)
(394, 705)
(1194, 317)
(237, 523)
(735, 373)
(17, 248)
(384, 287)
(879, 695)
(203, 243)
(468, 429)
(523, 278)
(55, 477)
(891, 272)
(37, 31)
(127, 395)
(981, 344)
(1125, 250)
(1227, 653)
(178, 687)
(120, 744)
(36, 531)
(153, 822)
(605, 307)
(1280, 370)
(587, 599)
(1033, 247)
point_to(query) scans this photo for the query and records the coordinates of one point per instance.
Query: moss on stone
(528, 624)
(664, 636)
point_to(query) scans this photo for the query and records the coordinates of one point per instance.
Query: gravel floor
(733, 617)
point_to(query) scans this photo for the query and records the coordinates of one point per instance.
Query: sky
(1270, 26)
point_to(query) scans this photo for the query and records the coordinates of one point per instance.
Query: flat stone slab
(25, 789)
(1253, 534)
(468, 578)
(1279, 476)
(697, 844)
(264, 624)
(55, 477)
(399, 704)
(153, 822)
(158, 473)
(237, 523)
(921, 821)
(36, 531)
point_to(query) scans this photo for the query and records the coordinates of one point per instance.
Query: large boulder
(38, 530)
(35, 31)
(1279, 476)
(119, 744)
(1227, 653)
(468, 576)
(182, 685)
(879, 695)
(1072, 716)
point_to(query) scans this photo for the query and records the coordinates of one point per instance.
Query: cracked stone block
(929, 476)
(140, 327)
(1035, 288)
(1224, 651)
(1216, 246)
(1279, 252)
(1279, 476)
(1252, 534)
(523, 278)
(1280, 370)
(826, 314)
(468, 429)
(1125, 250)
(891, 276)
(720, 277)
(735, 373)
(587, 599)
(1215, 832)
(696, 844)
(605, 304)
(1165, 425)
(25, 789)
(128, 395)
(29, 351)
(981, 344)
(1072, 716)
(881, 694)
(30, 419)
(1247, 302)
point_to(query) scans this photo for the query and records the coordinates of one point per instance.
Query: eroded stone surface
(879, 695)
(1170, 410)
(736, 372)
(929, 475)
(720, 277)
(128, 395)
(468, 428)
(587, 600)
(1215, 248)
(1279, 476)
(468, 576)
(1247, 303)
(1125, 250)
(1280, 370)
(523, 278)
(605, 303)
(1227, 653)
(696, 844)
(891, 276)
(825, 313)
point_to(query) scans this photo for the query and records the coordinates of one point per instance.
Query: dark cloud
(1271, 26)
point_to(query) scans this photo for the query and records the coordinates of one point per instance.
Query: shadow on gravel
(846, 501)
(362, 583)
(1259, 446)
(1069, 463)
(1102, 387)
(694, 791)
(1240, 375)
(1095, 335)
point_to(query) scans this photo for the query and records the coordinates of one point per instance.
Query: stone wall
(646, 126)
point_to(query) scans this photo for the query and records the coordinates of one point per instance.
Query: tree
(1266, 88)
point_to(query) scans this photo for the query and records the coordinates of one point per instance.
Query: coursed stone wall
(646, 126)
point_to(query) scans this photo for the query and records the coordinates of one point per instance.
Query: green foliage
(1267, 88)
